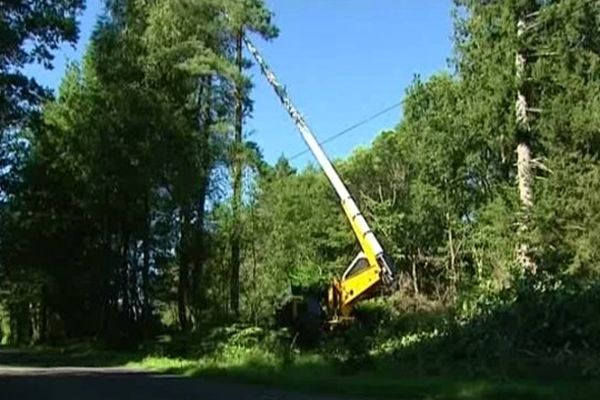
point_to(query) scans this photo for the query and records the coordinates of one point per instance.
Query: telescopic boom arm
(379, 264)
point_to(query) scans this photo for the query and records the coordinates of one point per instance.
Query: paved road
(75, 383)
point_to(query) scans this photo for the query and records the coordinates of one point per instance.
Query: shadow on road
(30, 376)
(122, 385)
(33, 358)
(69, 383)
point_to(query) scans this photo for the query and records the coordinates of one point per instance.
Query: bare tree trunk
(453, 272)
(204, 126)
(182, 297)
(146, 265)
(524, 165)
(414, 277)
(234, 287)
(34, 326)
(254, 278)
(108, 288)
(125, 276)
(183, 284)
(44, 314)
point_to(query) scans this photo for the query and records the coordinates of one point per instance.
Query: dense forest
(133, 203)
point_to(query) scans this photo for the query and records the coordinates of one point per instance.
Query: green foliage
(126, 210)
(253, 355)
(112, 196)
(568, 217)
(549, 318)
(31, 31)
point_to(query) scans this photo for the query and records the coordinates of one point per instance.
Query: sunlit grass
(241, 358)
(164, 364)
(311, 373)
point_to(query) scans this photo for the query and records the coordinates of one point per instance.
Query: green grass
(314, 375)
(77, 354)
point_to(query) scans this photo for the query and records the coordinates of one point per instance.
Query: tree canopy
(134, 203)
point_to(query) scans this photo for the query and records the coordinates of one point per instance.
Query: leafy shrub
(542, 316)
(538, 326)
(399, 314)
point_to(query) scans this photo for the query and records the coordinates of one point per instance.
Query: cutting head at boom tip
(388, 268)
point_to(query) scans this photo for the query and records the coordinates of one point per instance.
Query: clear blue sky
(341, 61)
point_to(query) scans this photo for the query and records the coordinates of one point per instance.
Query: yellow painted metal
(357, 285)
(360, 235)
(343, 293)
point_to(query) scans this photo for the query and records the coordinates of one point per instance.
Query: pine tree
(251, 16)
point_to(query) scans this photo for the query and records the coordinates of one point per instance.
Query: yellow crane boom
(371, 267)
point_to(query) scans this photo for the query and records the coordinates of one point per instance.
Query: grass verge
(314, 375)
(241, 358)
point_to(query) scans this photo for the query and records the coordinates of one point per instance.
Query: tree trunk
(524, 167)
(237, 166)
(108, 296)
(125, 277)
(34, 326)
(44, 314)
(453, 271)
(414, 277)
(524, 181)
(146, 265)
(183, 284)
(182, 297)
(204, 126)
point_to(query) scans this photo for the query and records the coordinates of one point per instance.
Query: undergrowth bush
(538, 326)
(544, 317)
(239, 345)
(534, 328)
